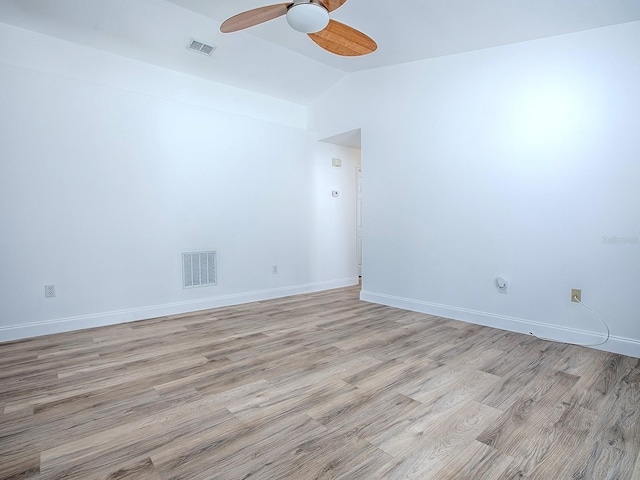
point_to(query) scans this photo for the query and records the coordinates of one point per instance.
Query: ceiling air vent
(199, 269)
(200, 47)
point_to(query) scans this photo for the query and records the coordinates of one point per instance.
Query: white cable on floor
(575, 299)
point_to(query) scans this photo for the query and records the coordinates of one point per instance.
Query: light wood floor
(314, 386)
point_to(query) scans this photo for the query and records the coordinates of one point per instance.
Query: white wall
(105, 179)
(514, 161)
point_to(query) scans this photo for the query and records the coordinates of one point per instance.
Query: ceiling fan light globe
(308, 17)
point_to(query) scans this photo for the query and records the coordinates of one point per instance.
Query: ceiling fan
(310, 17)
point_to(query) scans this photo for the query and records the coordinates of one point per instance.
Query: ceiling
(275, 60)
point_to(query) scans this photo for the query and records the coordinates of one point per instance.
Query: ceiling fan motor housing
(307, 17)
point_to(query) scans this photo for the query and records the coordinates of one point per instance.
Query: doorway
(352, 140)
(359, 222)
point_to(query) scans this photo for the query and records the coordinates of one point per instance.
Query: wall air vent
(199, 269)
(201, 47)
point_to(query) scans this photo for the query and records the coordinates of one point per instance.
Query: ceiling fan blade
(253, 17)
(332, 5)
(343, 40)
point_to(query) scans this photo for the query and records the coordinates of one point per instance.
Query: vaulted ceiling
(275, 60)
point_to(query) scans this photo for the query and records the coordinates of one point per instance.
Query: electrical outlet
(49, 291)
(576, 293)
(274, 269)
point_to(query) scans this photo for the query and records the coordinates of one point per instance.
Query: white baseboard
(35, 329)
(621, 345)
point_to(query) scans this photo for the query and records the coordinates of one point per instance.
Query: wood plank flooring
(314, 386)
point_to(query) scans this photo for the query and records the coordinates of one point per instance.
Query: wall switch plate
(49, 291)
(274, 269)
(334, 193)
(336, 162)
(576, 293)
